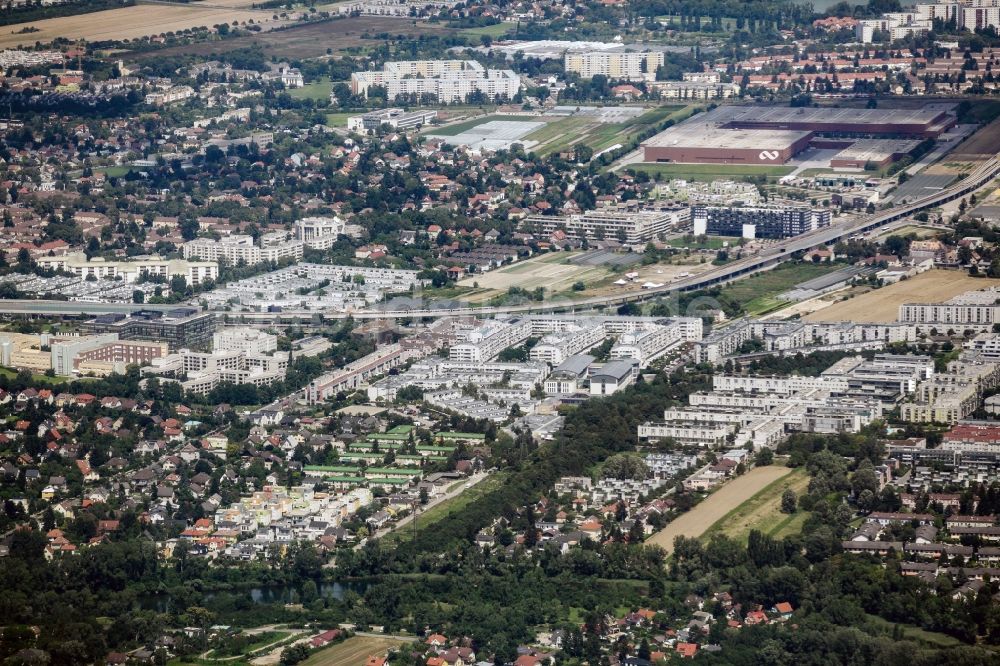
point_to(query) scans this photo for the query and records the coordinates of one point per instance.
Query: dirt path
(718, 504)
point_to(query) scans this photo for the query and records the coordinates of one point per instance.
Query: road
(976, 179)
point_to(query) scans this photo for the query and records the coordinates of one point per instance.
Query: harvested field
(882, 305)
(352, 652)
(717, 506)
(546, 271)
(763, 511)
(130, 23)
(310, 40)
(980, 146)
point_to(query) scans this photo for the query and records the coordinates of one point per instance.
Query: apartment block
(630, 227)
(97, 268)
(444, 81)
(486, 341)
(319, 233)
(758, 222)
(628, 65)
(242, 250)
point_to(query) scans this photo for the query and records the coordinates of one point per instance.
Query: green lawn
(763, 511)
(915, 633)
(11, 374)
(710, 171)
(338, 119)
(458, 128)
(494, 31)
(756, 293)
(706, 243)
(443, 509)
(114, 171)
(317, 90)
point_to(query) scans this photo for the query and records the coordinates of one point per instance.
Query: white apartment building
(241, 249)
(319, 233)
(628, 65)
(200, 372)
(486, 341)
(949, 316)
(898, 25)
(632, 228)
(693, 89)
(688, 433)
(968, 14)
(647, 344)
(175, 94)
(554, 348)
(446, 81)
(194, 272)
(244, 339)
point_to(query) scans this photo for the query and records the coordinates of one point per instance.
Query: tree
(788, 501)
(293, 654)
(424, 498)
(625, 466)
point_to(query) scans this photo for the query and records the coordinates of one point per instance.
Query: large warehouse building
(773, 135)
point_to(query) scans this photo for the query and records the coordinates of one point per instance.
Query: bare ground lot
(543, 271)
(128, 23)
(980, 146)
(882, 305)
(310, 40)
(352, 652)
(718, 505)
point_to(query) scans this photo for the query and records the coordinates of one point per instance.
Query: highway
(770, 258)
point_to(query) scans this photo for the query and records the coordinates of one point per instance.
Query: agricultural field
(352, 652)
(708, 172)
(882, 305)
(495, 31)
(763, 511)
(981, 145)
(310, 40)
(132, 22)
(718, 505)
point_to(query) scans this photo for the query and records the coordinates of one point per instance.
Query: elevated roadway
(766, 260)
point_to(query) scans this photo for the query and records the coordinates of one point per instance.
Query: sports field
(763, 511)
(882, 305)
(695, 522)
(133, 22)
(459, 128)
(352, 652)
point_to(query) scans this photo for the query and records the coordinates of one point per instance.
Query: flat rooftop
(705, 135)
(876, 150)
(825, 116)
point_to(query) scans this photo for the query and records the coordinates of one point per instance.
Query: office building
(179, 328)
(396, 119)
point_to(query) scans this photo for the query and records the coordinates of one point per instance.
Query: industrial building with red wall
(774, 135)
